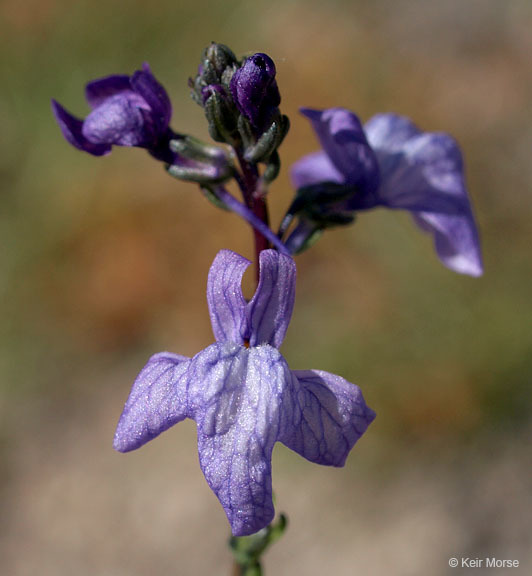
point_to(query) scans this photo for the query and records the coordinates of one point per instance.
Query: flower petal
(97, 91)
(71, 127)
(424, 173)
(119, 120)
(314, 169)
(238, 400)
(342, 138)
(158, 400)
(144, 83)
(224, 296)
(456, 240)
(327, 416)
(270, 309)
(389, 131)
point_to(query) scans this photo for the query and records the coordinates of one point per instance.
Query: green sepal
(322, 203)
(195, 149)
(269, 141)
(188, 173)
(211, 196)
(273, 166)
(219, 56)
(201, 165)
(227, 76)
(221, 119)
(246, 132)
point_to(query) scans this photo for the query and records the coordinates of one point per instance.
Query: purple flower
(243, 396)
(255, 91)
(126, 111)
(391, 163)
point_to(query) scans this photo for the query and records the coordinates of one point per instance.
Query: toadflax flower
(126, 111)
(243, 396)
(391, 163)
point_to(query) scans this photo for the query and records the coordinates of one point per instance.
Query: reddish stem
(256, 202)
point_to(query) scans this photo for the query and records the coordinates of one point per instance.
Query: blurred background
(104, 262)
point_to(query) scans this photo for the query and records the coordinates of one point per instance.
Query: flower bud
(195, 161)
(218, 64)
(255, 91)
(220, 113)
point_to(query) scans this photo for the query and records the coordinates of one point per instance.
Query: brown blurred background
(104, 262)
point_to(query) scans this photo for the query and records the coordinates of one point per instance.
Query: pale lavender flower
(391, 163)
(126, 111)
(243, 396)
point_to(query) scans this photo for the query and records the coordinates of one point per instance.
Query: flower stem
(248, 550)
(260, 228)
(254, 198)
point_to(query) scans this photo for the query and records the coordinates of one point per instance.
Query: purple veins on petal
(270, 309)
(263, 320)
(245, 399)
(157, 401)
(238, 423)
(224, 296)
(328, 415)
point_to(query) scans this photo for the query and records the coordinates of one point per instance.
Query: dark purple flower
(255, 92)
(243, 396)
(126, 111)
(391, 163)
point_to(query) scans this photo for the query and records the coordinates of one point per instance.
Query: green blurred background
(104, 262)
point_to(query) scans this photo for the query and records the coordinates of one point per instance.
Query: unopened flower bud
(255, 91)
(218, 64)
(220, 112)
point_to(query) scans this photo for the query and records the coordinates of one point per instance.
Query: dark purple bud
(126, 111)
(255, 90)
